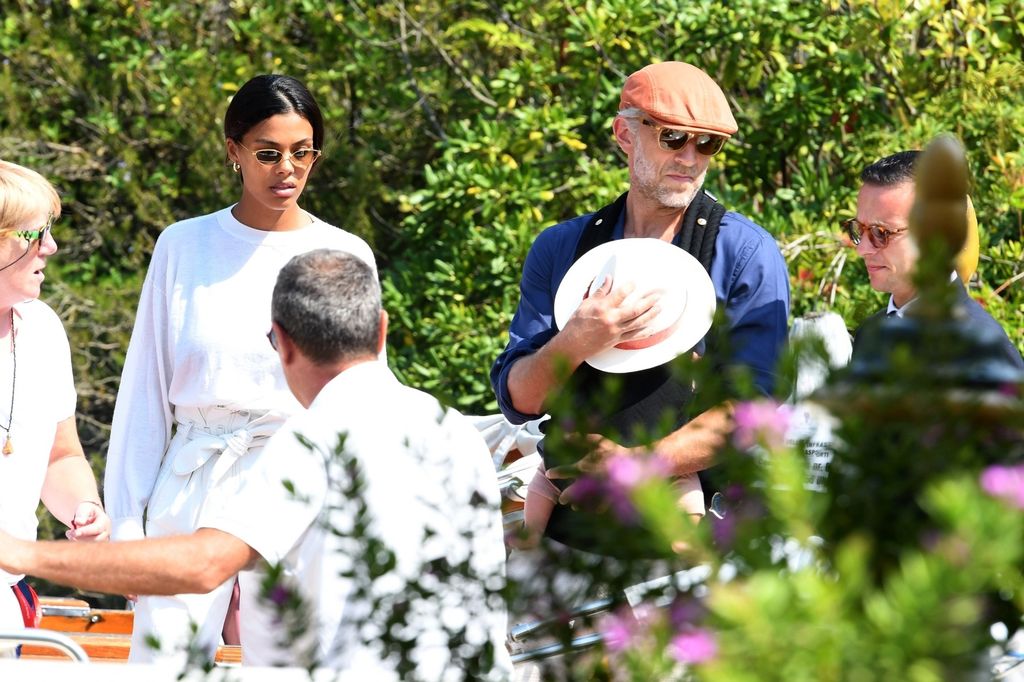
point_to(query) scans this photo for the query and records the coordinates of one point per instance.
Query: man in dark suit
(880, 234)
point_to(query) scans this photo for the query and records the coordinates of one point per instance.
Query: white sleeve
(142, 414)
(358, 247)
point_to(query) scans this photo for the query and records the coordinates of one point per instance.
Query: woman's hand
(91, 523)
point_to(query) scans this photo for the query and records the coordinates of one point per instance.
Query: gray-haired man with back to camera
(379, 504)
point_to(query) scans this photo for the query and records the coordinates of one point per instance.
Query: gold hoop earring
(235, 167)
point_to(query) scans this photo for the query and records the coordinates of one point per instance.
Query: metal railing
(557, 649)
(523, 631)
(519, 633)
(46, 638)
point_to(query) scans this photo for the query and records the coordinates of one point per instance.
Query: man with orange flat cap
(672, 119)
(881, 237)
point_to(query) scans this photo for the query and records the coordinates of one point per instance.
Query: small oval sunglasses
(302, 158)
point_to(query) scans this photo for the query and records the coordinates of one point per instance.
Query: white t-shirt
(44, 396)
(200, 341)
(426, 472)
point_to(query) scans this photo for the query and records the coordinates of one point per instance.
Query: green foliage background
(458, 130)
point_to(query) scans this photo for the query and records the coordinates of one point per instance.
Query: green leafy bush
(457, 131)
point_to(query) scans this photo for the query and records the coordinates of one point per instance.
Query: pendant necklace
(8, 445)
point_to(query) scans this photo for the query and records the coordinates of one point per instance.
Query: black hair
(892, 170)
(269, 95)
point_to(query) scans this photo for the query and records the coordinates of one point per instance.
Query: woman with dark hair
(40, 454)
(201, 387)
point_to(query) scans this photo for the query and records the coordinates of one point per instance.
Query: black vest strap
(696, 235)
(600, 227)
(700, 228)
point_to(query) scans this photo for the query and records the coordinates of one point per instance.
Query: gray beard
(680, 200)
(646, 182)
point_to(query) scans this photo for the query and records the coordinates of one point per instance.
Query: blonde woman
(40, 453)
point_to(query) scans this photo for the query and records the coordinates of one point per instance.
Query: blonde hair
(24, 194)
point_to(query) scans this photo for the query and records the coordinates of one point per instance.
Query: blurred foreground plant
(907, 563)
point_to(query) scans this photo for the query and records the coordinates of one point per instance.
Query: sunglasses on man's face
(672, 140)
(878, 235)
(302, 158)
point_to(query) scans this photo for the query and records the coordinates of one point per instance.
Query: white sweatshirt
(200, 341)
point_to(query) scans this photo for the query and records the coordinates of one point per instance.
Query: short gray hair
(632, 116)
(328, 302)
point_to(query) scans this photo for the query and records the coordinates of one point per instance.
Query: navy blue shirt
(750, 280)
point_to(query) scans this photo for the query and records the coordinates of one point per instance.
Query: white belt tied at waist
(201, 444)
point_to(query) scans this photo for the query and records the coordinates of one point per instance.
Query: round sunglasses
(672, 140)
(878, 235)
(303, 157)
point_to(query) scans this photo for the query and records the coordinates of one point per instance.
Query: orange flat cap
(679, 95)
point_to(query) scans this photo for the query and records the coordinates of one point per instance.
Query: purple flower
(649, 614)
(723, 531)
(587, 488)
(280, 595)
(684, 612)
(618, 629)
(629, 471)
(1010, 390)
(622, 505)
(625, 473)
(734, 492)
(761, 422)
(694, 646)
(1006, 482)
